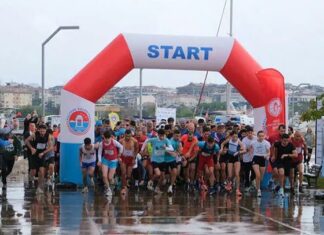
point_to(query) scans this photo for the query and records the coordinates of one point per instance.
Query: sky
(287, 35)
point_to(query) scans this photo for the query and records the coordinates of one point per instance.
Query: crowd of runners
(184, 156)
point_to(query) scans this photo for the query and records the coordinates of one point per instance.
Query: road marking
(274, 220)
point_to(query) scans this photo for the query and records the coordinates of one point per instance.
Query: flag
(113, 118)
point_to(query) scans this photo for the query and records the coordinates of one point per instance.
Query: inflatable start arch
(263, 88)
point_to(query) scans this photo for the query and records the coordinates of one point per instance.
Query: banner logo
(78, 121)
(275, 107)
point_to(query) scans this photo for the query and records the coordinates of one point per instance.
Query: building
(14, 95)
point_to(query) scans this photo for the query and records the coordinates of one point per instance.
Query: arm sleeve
(119, 146)
(145, 144)
(169, 146)
(100, 152)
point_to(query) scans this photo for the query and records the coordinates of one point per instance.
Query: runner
(171, 159)
(235, 148)
(39, 145)
(208, 149)
(10, 148)
(128, 158)
(160, 145)
(111, 151)
(273, 139)
(50, 160)
(310, 141)
(282, 156)
(260, 150)
(249, 175)
(297, 163)
(189, 152)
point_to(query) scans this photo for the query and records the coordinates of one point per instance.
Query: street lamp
(43, 60)
(293, 99)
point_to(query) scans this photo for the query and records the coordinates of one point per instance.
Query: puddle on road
(143, 213)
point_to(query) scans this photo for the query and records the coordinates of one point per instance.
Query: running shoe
(108, 192)
(281, 192)
(85, 189)
(170, 190)
(150, 185)
(259, 193)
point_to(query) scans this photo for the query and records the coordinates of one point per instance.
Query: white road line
(274, 220)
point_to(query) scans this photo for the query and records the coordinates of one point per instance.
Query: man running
(160, 146)
(170, 159)
(88, 162)
(208, 149)
(297, 163)
(284, 152)
(248, 157)
(128, 158)
(109, 154)
(189, 152)
(39, 145)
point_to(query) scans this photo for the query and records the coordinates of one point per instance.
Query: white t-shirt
(88, 156)
(260, 148)
(248, 157)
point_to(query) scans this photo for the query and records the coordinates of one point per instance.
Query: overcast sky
(284, 34)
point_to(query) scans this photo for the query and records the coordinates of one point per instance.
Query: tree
(313, 113)
(184, 111)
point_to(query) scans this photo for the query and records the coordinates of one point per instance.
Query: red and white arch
(262, 88)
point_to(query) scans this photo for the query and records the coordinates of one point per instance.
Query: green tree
(184, 111)
(313, 113)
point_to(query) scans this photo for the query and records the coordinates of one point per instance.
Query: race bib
(109, 152)
(299, 150)
(205, 154)
(128, 153)
(40, 146)
(160, 152)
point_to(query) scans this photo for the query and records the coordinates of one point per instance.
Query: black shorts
(36, 162)
(223, 158)
(233, 159)
(170, 165)
(286, 166)
(258, 160)
(49, 161)
(310, 150)
(159, 165)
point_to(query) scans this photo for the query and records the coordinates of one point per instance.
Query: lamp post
(293, 99)
(43, 60)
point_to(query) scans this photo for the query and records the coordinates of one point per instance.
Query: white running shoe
(150, 185)
(281, 192)
(85, 189)
(170, 189)
(108, 192)
(259, 193)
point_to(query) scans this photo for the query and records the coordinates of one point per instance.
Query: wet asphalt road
(71, 212)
